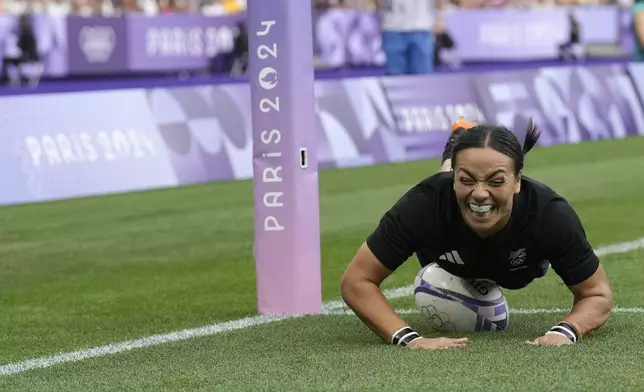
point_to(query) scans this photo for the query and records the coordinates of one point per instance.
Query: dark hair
(500, 139)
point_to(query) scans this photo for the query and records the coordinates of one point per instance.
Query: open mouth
(481, 210)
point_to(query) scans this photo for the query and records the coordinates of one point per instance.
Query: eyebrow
(489, 176)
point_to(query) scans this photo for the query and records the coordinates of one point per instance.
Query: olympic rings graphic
(440, 320)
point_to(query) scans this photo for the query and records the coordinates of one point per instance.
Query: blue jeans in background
(408, 52)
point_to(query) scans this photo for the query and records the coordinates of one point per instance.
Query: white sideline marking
(342, 312)
(331, 307)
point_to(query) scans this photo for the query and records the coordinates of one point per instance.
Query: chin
(483, 226)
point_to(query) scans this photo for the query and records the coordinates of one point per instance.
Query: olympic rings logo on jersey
(517, 257)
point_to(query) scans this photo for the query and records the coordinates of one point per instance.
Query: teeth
(482, 209)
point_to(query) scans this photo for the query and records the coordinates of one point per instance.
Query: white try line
(331, 307)
(343, 312)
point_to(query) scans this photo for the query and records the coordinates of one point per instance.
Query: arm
(389, 246)
(360, 289)
(593, 303)
(573, 259)
(396, 238)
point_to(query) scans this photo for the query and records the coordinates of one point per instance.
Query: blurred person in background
(81, 8)
(572, 49)
(240, 52)
(221, 7)
(638, 30)
(14, 7)
(131, 6)
(333, 30)
(443, 45)
(23, 49)
(407, 38)
(166, 6)
(57, 7)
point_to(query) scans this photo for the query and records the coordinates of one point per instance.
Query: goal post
(285, 170)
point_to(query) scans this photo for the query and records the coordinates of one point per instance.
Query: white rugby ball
(453, 304)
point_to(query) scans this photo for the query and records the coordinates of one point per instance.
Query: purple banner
(512, 34)
(76, 145)
(138, 43)
(180, 41)
(569, 104)
(68, 145)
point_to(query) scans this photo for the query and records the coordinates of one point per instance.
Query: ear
(517, 184)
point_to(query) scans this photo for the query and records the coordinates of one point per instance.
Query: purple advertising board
(68, 145)
(139, 43)
(569, 104)
(513, 34)
(371, 120)
(179, 41)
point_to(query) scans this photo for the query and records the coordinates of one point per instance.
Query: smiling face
(485, 185)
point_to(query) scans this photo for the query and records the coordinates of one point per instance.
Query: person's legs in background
(421, 52)
(395, 46)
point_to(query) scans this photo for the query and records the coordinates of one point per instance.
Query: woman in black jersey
(503, 226)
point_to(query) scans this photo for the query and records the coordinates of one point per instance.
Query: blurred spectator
(221, 7)
(443, 44)
(23, 50)
(240, 52)
(572, 49)
(333, 31)
(167, 6)
(130, 6)
(57, 7)
(81, 7)
(638, 30)
(407, 38)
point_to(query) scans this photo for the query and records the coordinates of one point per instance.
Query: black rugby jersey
(543, 229)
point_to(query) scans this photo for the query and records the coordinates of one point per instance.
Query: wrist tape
(565, 329)
(404, 336)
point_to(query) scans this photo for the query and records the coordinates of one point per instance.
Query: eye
(497, 182)
(466, 181)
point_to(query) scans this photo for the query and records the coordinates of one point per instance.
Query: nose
(480, 194)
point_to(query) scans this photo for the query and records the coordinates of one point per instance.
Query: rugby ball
(453, 304)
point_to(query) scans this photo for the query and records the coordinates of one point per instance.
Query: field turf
(88, 272)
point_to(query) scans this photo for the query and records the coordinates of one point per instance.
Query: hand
(550, 340)
(437, 343)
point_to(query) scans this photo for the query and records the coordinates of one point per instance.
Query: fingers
(455, 343)
(547, 341)
(438, 343)
(460, 340)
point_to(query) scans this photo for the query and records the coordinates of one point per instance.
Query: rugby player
(504, 226)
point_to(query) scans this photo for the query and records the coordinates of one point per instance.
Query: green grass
(86, 272)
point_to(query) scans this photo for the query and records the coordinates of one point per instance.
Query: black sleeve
(563, 240)
(402, 229)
